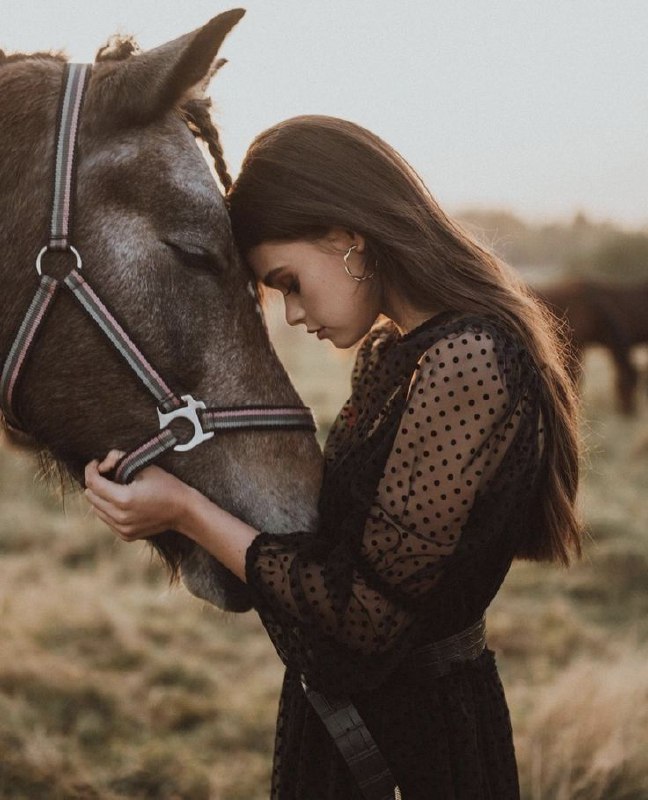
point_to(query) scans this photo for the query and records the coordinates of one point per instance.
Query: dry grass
(113, 686)
(585, 738)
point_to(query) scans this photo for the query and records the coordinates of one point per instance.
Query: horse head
(154, 236)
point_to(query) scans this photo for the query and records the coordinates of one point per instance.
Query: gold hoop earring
(358, 278)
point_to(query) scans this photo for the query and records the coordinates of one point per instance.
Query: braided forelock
(197, 115)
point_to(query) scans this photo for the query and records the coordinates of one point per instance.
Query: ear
(148, 84)
(358, 241)
(343, 238)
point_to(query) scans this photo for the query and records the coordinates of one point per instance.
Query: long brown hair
(310, 173)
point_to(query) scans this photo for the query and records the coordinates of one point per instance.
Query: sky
(539, 107)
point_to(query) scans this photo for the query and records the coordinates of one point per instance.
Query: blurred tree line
(577, 247)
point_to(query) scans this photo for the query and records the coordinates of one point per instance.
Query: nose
(294, 311)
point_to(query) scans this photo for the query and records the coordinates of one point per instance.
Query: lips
(320, 332)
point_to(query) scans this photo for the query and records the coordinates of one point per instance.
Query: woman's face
(317, 291)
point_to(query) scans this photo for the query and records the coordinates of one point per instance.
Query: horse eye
(194, 256)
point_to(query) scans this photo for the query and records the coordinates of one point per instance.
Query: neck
(403, 314)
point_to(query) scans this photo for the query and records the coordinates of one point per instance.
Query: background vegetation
(576, 248)
(114, 686)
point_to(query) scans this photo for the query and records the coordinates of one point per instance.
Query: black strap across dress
(430, 469)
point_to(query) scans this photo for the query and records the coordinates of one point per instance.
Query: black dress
(429, 470)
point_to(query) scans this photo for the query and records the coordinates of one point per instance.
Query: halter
(170, 406)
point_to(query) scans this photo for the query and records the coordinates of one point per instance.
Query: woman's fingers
(107, 490)
(110, 460)
(138, 510)
(98, 467)
(118, 521)
(115, 515)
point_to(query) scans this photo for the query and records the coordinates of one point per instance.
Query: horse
(152, 229)
(613, 315)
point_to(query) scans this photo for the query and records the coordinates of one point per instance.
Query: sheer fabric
(429, 469)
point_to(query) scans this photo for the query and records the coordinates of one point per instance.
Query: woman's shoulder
(433, 339)
(476, 330)
(450, 324)
(455, 339)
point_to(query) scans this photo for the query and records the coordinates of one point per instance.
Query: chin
(341, 343)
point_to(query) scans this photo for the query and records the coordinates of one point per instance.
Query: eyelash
(195, 260)
(293, 286)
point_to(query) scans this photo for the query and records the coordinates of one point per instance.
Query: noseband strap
(171, 406)
(212, 420)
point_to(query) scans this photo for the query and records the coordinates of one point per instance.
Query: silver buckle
(190, 412)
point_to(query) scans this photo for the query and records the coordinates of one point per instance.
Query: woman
(456, 452)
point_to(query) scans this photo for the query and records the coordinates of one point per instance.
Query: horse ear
(147, 84)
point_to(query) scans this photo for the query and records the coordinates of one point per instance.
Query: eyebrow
(268, 279)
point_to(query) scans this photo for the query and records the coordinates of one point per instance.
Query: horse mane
(49, 56)
(196, 114)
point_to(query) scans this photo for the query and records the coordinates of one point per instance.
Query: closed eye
(292, 288)
(194, 256)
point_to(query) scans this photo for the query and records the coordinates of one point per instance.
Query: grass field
(112, 685)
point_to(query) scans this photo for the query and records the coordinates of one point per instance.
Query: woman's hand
(155, 501)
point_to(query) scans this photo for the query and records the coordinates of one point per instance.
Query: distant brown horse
(156, 242)
(613, 315)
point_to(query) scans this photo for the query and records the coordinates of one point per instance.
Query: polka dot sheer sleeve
(452, 439)
(344, 610)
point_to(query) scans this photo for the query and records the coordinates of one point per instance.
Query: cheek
(363, 299)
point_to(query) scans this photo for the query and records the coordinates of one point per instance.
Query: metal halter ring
(189, 412)
(345, 258)
(44, 250)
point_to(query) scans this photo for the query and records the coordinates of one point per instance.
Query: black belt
(348, 730)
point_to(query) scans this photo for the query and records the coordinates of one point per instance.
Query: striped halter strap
(170, 406)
